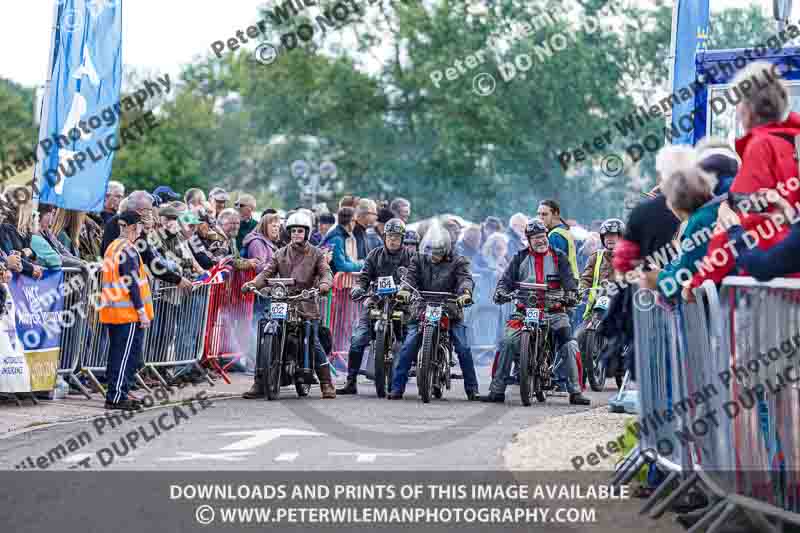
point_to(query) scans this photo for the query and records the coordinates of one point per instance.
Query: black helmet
(412, 237)
(395, 225)
(535, 227)
(612, 225)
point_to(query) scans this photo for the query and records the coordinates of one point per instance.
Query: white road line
(265, 436)
(288, 457)
(76, 457)
(190, 456)
(370, 457)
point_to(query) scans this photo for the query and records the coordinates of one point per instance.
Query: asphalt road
(349, 433)
(299, 436)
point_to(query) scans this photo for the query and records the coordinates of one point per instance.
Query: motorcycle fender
(272, 328)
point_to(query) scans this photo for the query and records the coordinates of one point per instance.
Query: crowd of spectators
(715, 212)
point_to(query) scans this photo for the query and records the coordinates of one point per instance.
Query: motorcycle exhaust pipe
(306, 339)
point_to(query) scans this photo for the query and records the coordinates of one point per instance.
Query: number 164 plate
(532, 315)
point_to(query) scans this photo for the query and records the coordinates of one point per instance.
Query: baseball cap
(169, 212)
(166, 194)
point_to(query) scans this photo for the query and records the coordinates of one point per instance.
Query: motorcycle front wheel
(528, 382)
(426, 369)
(597, 375)
(379, 347)
(270, 348)
(541, 361)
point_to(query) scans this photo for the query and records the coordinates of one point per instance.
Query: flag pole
(44, 115)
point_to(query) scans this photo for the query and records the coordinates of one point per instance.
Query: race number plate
(279, 311)
(532, 315)
(602, 302)
(386, 285)
(433, 313)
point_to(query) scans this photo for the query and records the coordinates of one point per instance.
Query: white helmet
(300, 220)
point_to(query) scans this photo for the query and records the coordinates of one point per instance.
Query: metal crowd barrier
(177, 335)
(74, 331)
(94, 359)
(229, 322)
(744, 459)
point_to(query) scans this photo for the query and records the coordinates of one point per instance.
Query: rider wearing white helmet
(306, 264)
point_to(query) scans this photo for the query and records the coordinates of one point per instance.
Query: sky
(158, 35)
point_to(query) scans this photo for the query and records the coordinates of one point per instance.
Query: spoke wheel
(379, 347)
(270, 347)
(527, 368)
(542, 365)
(426, 369)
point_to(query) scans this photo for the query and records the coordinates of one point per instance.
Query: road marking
(369, 457)
(77, 457)
(265, 436)
(286, 457)
(190, 456)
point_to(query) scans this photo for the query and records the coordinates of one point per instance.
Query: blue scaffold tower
(700, 78)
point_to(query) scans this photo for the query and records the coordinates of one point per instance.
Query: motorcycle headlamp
(279, 292)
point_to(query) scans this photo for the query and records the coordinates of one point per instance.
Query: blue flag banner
(80, 112)
(38, 306)
(691, 33)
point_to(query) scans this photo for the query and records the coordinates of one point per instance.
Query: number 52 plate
(279, 311)
(532, 315)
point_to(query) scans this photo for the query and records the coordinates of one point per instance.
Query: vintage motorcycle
(436, 354)
(285, 340)
(537, 357)
(387, 318)
(595, 367)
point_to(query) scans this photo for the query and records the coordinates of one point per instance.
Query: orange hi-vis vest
(116, 305)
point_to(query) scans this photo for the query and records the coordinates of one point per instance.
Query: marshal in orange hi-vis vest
(115, 298)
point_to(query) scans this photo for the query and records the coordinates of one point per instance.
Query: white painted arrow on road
(368, 457)
(189, 456)
(265, 436)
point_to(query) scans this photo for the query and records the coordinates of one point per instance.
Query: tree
(16, 119)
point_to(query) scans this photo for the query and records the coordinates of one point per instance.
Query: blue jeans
(317, 351)
(358, 343)
(458, 332)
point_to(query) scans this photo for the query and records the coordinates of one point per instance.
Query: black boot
(579, 399)
(351, 387)
(492, 397)
(257, 390)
